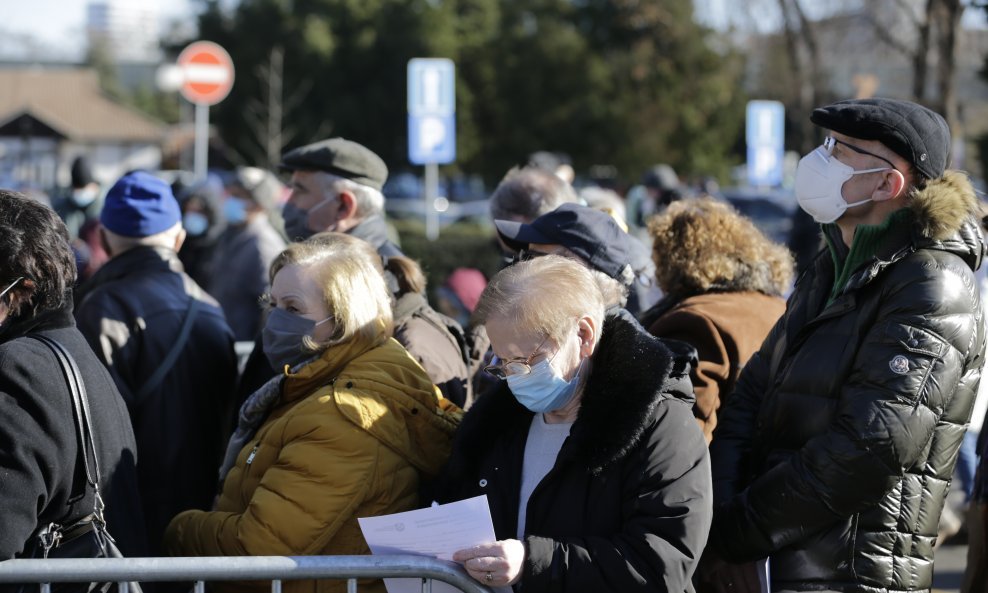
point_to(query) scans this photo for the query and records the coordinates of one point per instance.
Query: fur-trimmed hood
(944, 205)
(632, 371)
(947, 217)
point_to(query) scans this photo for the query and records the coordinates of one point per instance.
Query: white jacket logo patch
(899, 364)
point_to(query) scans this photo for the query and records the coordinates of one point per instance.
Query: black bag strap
(52, 534)
(169, 361)
(80, 409)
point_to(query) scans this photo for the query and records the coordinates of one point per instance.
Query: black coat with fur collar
(627, 506)
(835, 453)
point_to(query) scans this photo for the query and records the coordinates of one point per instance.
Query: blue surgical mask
(195, 223)
(235, 211)
(282, 338)
(543, 389)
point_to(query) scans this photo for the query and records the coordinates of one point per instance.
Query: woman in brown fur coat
(723, 282)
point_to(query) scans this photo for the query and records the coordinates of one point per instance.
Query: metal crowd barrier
(239, 568)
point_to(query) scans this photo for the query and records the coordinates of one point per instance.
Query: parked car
(771, 210)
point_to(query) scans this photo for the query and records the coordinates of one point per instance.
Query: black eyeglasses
(830, 142)
(515, 366)
(12, 284)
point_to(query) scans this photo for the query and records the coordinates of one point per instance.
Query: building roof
(70, 102)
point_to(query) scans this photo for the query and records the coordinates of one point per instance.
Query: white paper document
(437, 532)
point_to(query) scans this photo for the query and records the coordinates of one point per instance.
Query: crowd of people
(663, 415)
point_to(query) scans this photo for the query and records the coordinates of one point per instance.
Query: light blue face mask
(543, 389)
(235, 211)
(195, 223)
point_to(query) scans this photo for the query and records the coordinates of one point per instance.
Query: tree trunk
(804, 80)
(922, 52)
(812, 88)
(948, 25)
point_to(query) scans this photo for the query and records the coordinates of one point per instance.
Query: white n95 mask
(819, 178)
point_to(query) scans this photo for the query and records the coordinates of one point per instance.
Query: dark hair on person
(34, 244)
(408, 273)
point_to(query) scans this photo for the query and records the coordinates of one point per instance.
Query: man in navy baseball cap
(582, 233)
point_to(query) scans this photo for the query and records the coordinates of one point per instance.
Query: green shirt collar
(868, 239)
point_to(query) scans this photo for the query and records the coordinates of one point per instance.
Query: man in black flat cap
(336, 186)
(833, 457)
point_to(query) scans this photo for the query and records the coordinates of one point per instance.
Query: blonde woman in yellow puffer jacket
(348, 430)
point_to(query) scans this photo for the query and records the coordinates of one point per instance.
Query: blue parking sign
(765, 135)
(431, 139)
(431, 111)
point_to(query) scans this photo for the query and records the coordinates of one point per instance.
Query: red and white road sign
(207, 73)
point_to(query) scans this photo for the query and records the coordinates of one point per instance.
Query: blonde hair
(349, 272)
(701, 245)
(547, 294)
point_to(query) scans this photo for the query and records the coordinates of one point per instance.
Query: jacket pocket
(911, 354)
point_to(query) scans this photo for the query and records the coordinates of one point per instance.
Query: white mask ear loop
(862, 172)
(318, 206)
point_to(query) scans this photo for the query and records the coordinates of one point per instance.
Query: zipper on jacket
(253, 453)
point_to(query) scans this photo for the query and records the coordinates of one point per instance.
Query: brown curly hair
(702, 245)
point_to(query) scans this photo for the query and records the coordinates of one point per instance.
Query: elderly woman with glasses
(595, 471)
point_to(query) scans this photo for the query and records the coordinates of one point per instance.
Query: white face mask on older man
(819, 179)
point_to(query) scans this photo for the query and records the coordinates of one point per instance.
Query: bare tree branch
(296, 98)
(907, 8)
(948, 20)
(883, 34)
(812, 48)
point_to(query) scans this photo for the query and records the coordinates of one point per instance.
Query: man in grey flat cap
(834, 455)
(336, 186)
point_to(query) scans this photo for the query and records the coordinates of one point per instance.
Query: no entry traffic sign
(207, 73)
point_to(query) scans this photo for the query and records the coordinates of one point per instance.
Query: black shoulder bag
(86, 537)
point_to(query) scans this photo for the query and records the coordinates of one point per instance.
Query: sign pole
(201, 141)
(431, 126)
(431, 193)
(204, 74)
